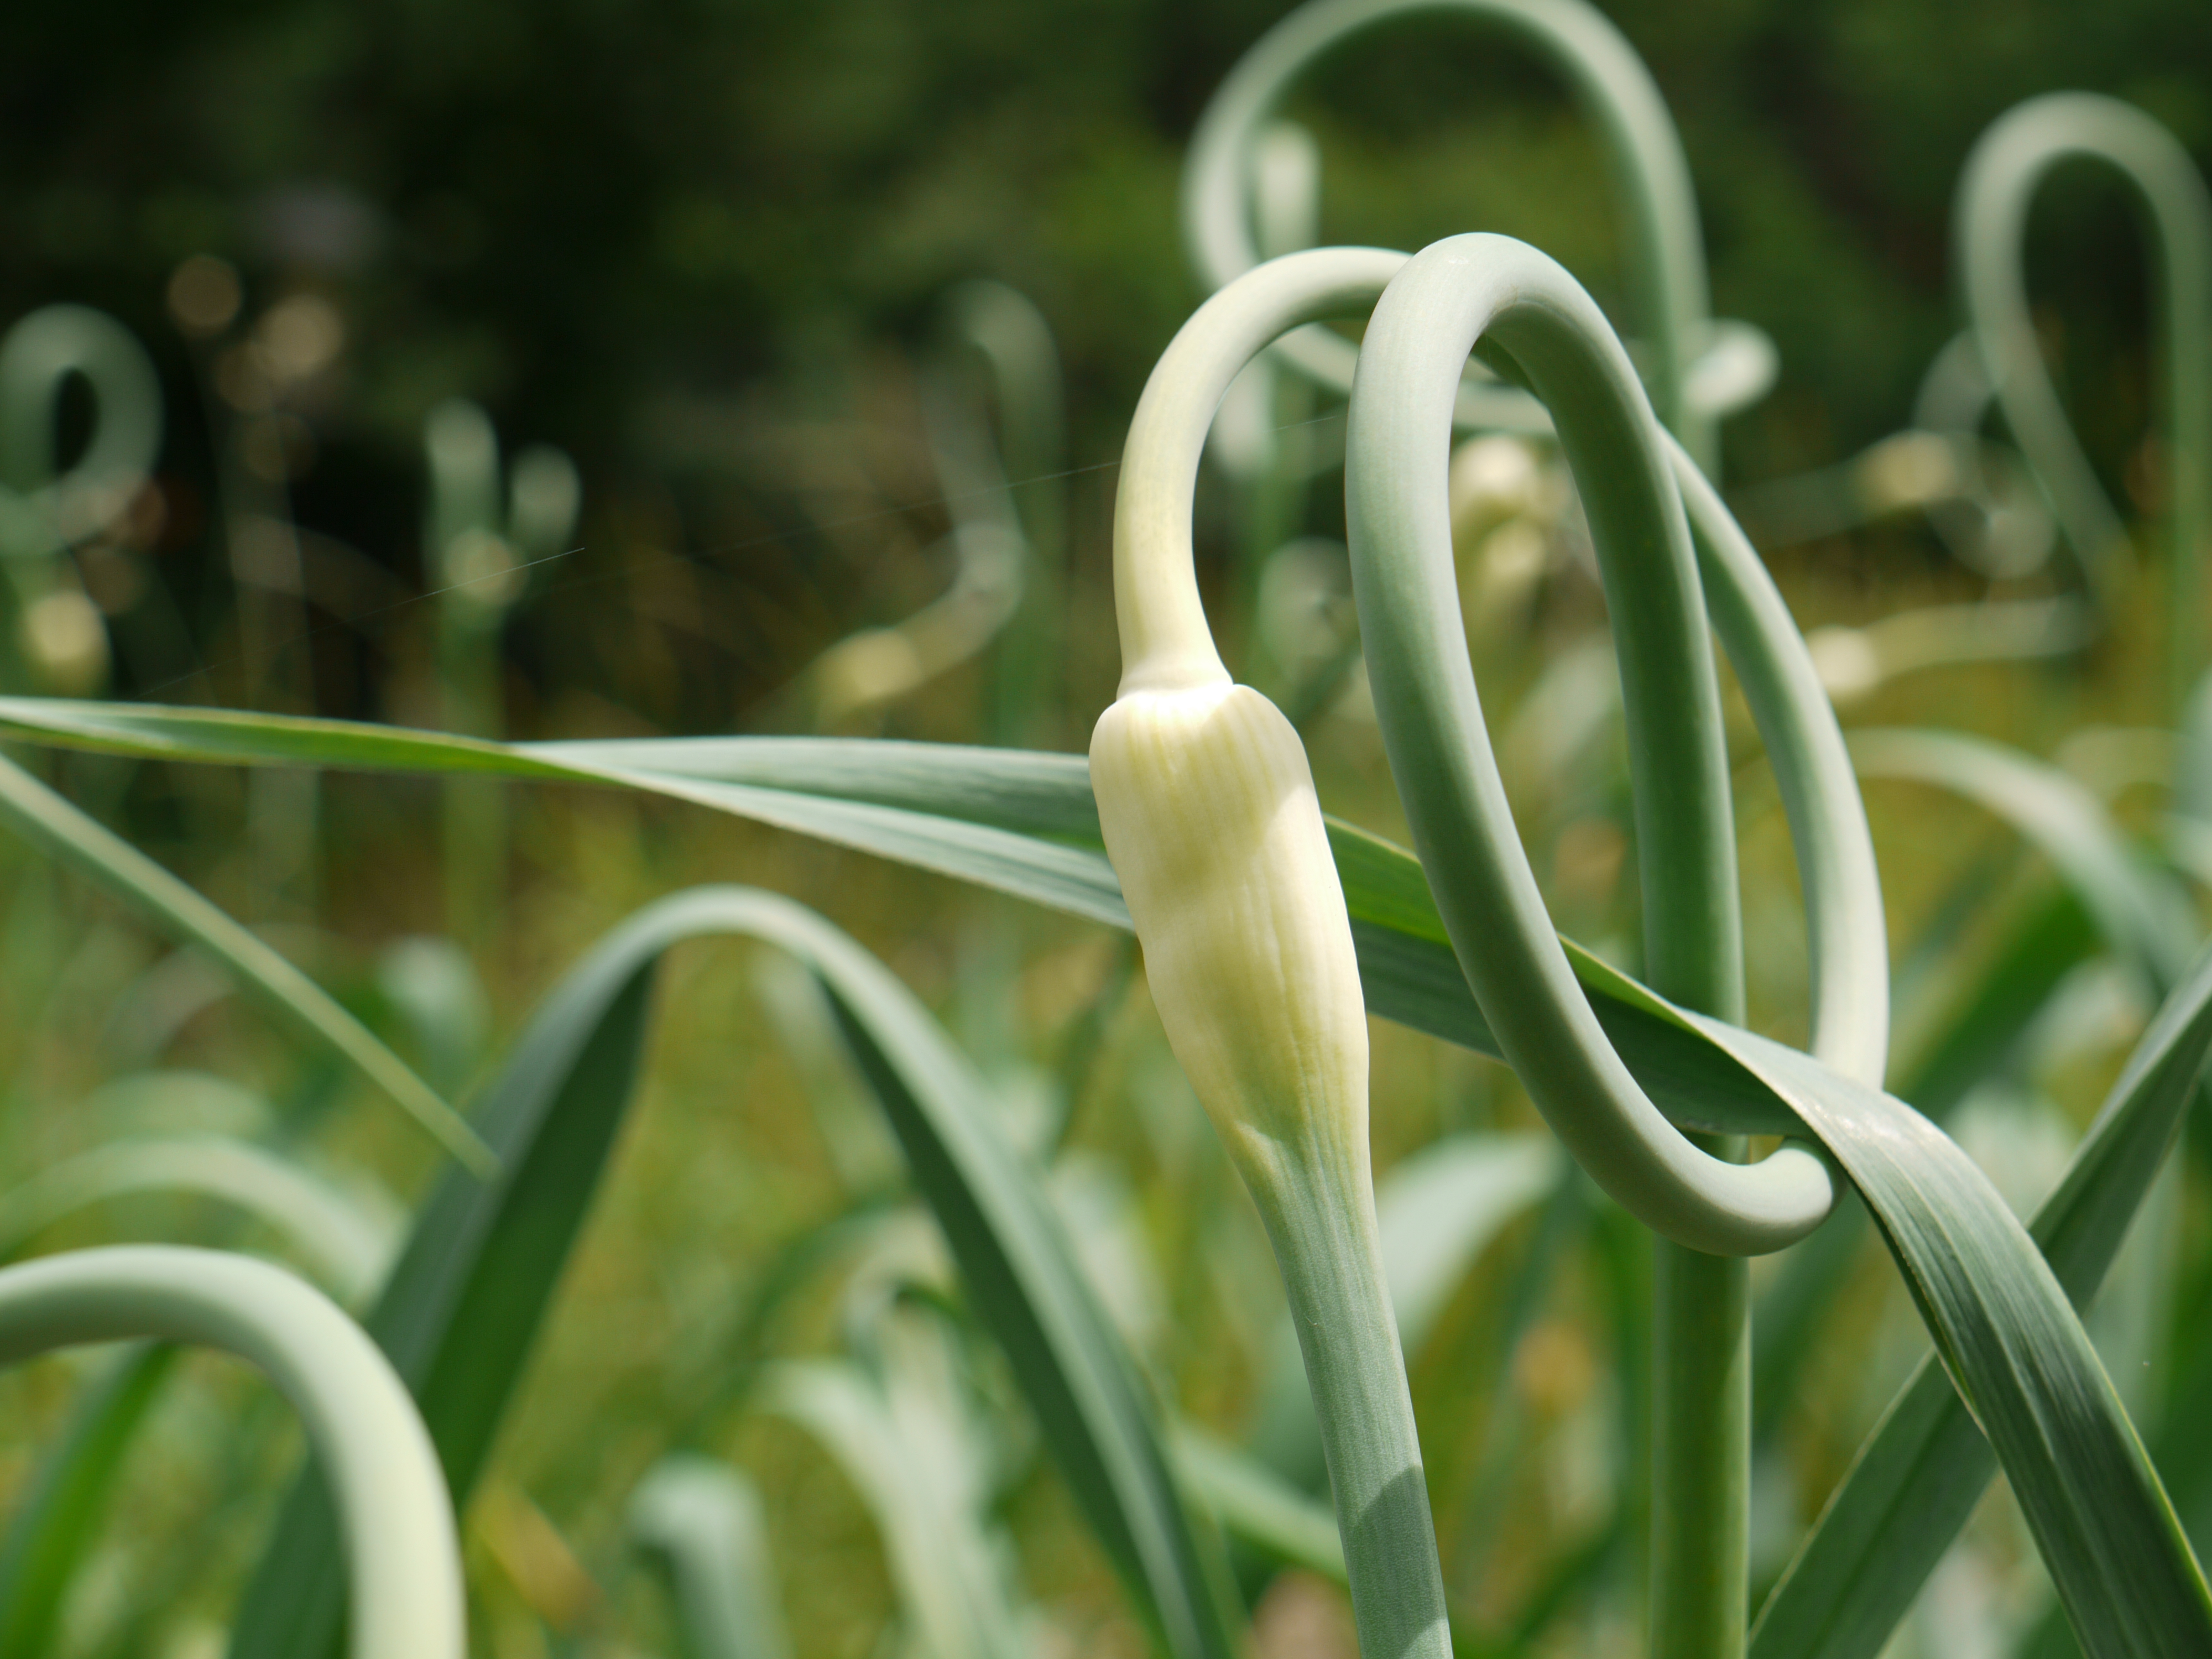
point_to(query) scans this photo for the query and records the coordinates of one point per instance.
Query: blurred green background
(704, 248)
(699, 245)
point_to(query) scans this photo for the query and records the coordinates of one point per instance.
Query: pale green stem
(1666, 251)
(399, 1524)
(1318, 1203)
(1996, 191)
(1701, 1447)
(463, 459)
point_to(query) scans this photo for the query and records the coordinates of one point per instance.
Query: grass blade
(58, 1521)
(57, 827)
(2134, 909)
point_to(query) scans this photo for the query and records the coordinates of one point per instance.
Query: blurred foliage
(703, 249)
(699, 245)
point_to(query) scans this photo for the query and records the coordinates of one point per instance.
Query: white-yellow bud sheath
(1213, 823)
(1214, 828)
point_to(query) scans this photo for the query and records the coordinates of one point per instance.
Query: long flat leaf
(1920, 1474)
(1045, 850)
(1985, 1021)
(2140, 914)
(471, 1288)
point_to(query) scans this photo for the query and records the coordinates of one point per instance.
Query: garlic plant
(1271, 933)
(1990, 226)
(1210, 817)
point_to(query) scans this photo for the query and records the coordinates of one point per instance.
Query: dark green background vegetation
(700, 244)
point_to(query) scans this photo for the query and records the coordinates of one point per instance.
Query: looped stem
(1642, 151)
(1996, 190)
(406, 1572)
(1495, 289)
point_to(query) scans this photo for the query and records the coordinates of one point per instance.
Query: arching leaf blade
(471, 1288)
(1921, 1473)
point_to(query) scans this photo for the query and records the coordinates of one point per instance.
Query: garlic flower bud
(1214, 828)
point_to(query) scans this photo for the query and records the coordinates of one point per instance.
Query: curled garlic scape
(1515, 300)
(1204, 791)
(1996, 187)
(1426, 692)
(1214, 826)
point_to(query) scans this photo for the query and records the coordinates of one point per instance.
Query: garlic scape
(1699, 368)
(1516, 301)
(404, 1559)
(1988, 222)
(1214, 828)
(1528, 317)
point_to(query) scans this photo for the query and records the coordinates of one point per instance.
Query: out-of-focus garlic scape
(1007, 503)
(1996, 188)
(1211, 821)
(58, 640)
(478, 552)
(1698, 370)
(403, 1558)
(1976, 493)
(1995, 522)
